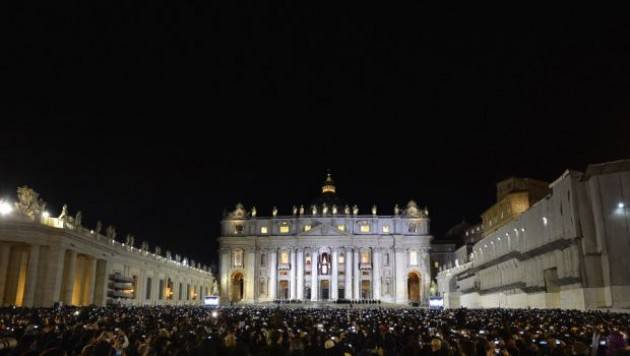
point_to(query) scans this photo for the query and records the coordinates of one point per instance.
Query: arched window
(307, 261)
(324, 264)
(365, 257)
(284, 257)
(413, 258)
(237, 257)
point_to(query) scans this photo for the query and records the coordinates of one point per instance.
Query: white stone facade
(45, 260)
(325, 253)
(569, 250)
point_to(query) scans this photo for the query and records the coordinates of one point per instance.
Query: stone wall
(569, 250)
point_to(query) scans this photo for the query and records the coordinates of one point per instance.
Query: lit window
(263, 230)
(307, 260)
(385, 229)
(341, 227)
(237, 258)
(413, 258)
(284, 257)
(437, 265)
(324, 264)
(307, 228)
(284, 229)
(341, 259)
(365, 228)
(238, 229)
(365, 256)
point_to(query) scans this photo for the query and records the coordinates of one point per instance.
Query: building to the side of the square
(46, 260)
(567, 248)
(326, 251)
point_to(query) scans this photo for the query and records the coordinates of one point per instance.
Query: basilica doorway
(413, 287)
(237, 287)
(365, 290)
(284, 290)
(324, 287)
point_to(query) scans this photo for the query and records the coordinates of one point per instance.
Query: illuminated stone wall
(325, 254)
(43, 261)
(568, 250)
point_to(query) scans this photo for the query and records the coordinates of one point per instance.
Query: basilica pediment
(321, 229)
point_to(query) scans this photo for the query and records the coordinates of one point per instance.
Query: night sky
(156, 116)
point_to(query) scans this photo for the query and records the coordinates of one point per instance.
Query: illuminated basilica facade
(326, 252)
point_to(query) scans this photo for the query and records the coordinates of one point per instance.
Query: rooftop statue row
(30, 206)
(411, 211)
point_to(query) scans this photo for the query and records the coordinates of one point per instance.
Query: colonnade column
(300, 274)
(91, 278)
(31, 276)
(70, 263)
(51, 285)
(273, 271)
(335, 273)
(348, 287)
(5, 249)
(102, 279)
(314, 279)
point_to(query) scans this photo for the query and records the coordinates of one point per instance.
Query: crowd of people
(299, 330)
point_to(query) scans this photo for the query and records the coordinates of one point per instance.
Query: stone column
(348, 287)
(22, 276)
(139, 288)
(314, 273)
(4, 269)
(357, 274)
(292, 274)
(31, 276)
(224, 274)
(335, 274)
(273, 272)
(300, 274)
(401, 287)
(91, 281)
(51, 284)
(155, 288)
(70, 263)
(250, 274)
(376, 273)
(101, 282)
(12, 275)
(426, 277)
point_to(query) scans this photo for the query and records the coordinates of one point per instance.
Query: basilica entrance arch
(413, 287)
(324, 289)
(283, 292)
(236, 287)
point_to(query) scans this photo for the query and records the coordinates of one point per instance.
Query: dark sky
(155, 116)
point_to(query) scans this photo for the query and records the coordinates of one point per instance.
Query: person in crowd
(301, 330)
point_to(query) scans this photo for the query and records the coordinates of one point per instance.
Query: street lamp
(5, 207)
